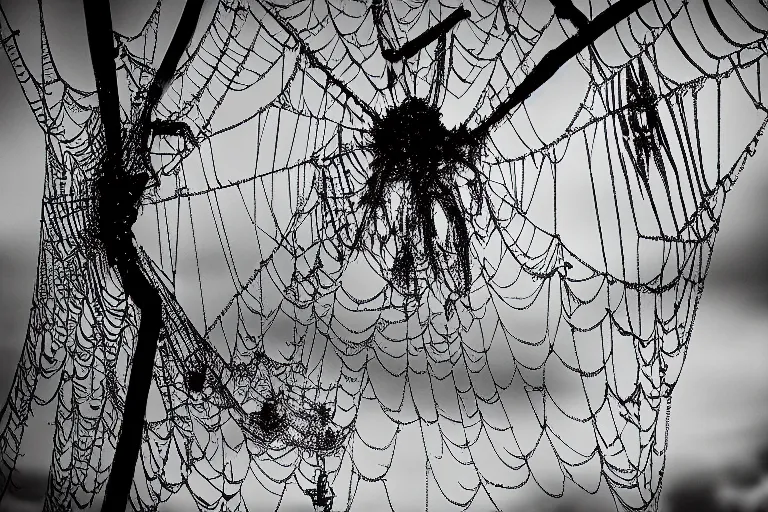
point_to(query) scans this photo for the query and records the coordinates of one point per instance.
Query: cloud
(26, 491)
(717, 493)
(750, 499)
(694, 493)
(17, 271)
(739, 259)
(741, 487)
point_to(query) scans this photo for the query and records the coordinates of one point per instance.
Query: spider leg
(437, 82)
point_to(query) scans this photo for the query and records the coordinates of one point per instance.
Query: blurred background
(718, 445)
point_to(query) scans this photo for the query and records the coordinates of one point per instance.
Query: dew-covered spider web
(363, 291)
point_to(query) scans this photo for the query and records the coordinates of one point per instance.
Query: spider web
(290, 353)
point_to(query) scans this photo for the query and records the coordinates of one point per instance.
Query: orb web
(336, 277)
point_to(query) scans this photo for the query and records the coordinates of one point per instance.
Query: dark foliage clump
(196, 379)
(269, 418)
(412, 148)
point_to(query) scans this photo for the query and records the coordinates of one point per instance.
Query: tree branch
(162, 79)
(30, 86)
(557, 57)
(415, 45)
(565, 10)
(98, 21)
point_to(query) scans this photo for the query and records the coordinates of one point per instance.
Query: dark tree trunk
(119, 194)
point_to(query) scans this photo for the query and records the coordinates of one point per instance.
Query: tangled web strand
(355, 302)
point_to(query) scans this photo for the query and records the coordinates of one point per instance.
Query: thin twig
(415, 45)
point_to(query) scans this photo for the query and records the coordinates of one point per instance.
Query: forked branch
(556, 58)
(29, 85)
(162, 79)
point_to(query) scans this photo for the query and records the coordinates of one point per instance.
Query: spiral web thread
(289, 354)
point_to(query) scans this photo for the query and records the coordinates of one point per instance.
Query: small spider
(322, 495)
(324, 413)
(641, 124)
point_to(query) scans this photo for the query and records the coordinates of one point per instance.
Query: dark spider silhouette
(411, 147)
(322, 495)
(642, 126)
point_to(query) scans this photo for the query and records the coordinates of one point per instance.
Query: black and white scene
(384, 255)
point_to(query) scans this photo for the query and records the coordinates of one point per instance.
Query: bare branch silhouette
(556, 58)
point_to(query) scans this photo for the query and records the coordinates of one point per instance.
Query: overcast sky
(720, 410)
